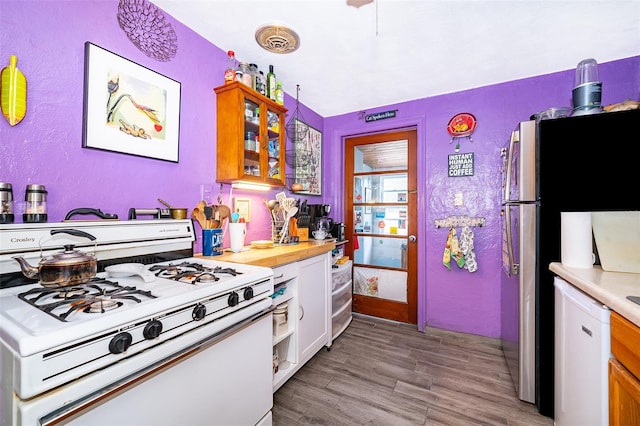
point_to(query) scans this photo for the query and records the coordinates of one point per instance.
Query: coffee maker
(320, 217)
(320, 220)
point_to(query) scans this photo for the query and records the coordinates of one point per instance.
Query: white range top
(609, 288)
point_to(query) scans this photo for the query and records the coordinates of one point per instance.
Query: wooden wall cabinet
(250, 136)
(624, 373)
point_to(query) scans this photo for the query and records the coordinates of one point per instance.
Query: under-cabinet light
(251, 186)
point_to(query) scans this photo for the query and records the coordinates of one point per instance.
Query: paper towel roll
(576, 242)
(237, 232)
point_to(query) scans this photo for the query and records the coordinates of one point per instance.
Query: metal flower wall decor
(145, 25)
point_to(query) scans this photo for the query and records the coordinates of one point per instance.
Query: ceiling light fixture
(277, 39)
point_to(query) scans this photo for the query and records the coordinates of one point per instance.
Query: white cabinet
(341, 295)
(303, 290)
(313, 298)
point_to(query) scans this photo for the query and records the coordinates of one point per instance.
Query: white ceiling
(358, 58)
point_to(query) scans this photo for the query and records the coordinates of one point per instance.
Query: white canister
(237, 233)
(280, 319)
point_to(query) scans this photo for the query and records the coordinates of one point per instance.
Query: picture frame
(243, 207)
(308, 164)
(142, 114)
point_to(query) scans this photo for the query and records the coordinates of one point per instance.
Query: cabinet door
(314, 293)
(252, 144)
(274, 145)
(624, 396)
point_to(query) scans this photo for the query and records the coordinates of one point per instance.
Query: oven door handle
(110, 391)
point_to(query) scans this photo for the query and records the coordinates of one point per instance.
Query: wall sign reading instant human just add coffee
(461, 164)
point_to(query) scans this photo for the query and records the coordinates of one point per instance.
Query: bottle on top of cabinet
(279, 94)
(262, 88)
(230, 68)
(271, 84)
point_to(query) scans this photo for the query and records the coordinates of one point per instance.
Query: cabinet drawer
(284, 273)
(341, 275)
(341, 296)
(341, 319)
(625, 343)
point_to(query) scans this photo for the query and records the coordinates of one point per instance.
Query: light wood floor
(386, 373)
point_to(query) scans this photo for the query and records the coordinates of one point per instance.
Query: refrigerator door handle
(509, 166)
(513, 267)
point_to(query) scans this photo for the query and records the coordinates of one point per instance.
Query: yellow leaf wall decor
(13, 97)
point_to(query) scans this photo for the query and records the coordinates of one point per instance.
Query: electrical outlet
(457, 199)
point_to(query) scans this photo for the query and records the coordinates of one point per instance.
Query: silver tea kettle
(65, 268)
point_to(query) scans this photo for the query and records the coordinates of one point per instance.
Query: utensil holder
(276, 231)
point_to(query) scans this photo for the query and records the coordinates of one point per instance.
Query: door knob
(412, 238)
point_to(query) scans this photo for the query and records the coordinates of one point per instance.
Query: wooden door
(381, 209)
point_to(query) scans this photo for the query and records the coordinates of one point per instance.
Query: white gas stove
(83, 340)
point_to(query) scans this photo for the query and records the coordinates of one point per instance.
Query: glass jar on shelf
(246, 74)
(255, 85)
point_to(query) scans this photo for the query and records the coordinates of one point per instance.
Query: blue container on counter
(212, 242)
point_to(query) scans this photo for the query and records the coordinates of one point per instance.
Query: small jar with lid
(255, 84)
(246, 74)
(35, 206)
(6, 203)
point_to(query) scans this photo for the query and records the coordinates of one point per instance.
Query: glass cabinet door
(251, 138)
(274, 166)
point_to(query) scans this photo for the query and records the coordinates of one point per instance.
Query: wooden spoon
(199, 216)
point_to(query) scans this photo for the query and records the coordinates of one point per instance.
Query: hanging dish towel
(446, 257)
(452, 251)
(466, 243)
(456, 253)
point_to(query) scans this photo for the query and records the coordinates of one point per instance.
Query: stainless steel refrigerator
(583, 163)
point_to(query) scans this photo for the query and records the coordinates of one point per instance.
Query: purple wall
(48, 38)
(46, 147)
(456, 299)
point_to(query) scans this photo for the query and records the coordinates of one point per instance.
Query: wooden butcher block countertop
(276, 255)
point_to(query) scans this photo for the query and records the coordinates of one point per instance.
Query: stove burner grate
(97, 296)
(230, 271)
(192, 272)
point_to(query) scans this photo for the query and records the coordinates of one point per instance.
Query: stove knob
(152, 329)
(248, 293)
(199, 312)
(234, 299)
(120, 343)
